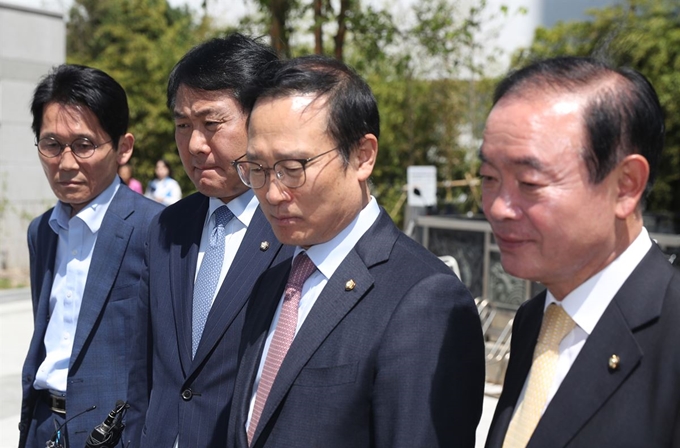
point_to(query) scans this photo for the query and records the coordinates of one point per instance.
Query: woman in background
(164, 188)
(125, 173)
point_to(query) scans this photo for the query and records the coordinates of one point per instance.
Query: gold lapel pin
(264, 245)
(350, 285)
(614, 362)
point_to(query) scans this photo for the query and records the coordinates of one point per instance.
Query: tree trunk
(318, 26)
(278, 32)
(345, 5)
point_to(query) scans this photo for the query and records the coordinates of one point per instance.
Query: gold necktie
(556, 324)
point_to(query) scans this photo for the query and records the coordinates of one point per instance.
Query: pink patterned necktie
(283, 335)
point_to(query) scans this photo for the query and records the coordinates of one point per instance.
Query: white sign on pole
(422, 185)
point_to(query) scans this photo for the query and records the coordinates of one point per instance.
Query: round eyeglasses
(82, 147)
(290, 172)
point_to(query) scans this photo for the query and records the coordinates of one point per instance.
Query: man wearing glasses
(86, 255)
(205, 253)
(364, 338)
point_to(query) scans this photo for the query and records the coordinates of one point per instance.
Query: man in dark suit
(570, 149)
(195, 317)
(86, 255)
(381, 345)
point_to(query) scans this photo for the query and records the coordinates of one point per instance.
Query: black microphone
(107, 434)
(54, 440)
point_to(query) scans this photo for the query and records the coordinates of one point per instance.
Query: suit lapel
(590, 382)
(183, 257)
(46, 255)
(525, 332)
(247, 266)
(331, 307)
(107, 256)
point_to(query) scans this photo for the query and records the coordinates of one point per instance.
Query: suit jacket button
(187, 394)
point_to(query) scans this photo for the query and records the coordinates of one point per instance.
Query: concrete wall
(31, 42)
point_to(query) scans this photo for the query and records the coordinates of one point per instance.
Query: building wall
(31, 42)
(517, 30)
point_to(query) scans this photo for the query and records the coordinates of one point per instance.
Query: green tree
(138, 42)
(426, 76)
(644, 35)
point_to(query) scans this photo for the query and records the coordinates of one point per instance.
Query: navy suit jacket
(103, 340)
(395, 361)
(634, 405)
(191, 397)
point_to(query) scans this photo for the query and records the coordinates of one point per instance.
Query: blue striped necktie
(208, 276)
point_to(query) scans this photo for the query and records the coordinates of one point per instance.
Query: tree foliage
(425, 75)
(138, 42)
(644, 35)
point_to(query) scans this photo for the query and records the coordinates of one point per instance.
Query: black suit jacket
(397, 361)
(191, 397)
(635, 405)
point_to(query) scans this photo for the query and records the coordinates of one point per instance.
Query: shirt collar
(92, 214)
(588, 301)
(328, 256)
(243, 207)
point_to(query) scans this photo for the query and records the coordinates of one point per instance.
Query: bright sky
(225, 8)
(514, 32)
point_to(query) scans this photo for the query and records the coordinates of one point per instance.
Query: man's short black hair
(229, 63)
(622, 115)
(78, 85)
(352, 108)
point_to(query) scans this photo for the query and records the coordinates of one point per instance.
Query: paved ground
(16, 327)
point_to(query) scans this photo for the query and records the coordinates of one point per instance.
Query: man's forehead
(525, 161)
(188, 96)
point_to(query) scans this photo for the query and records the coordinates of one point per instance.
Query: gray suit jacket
(103, 341)
(634, 405)
(397, 361)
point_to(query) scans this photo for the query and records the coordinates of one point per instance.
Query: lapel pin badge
(614, 362)
(350, 285)
(264, 245)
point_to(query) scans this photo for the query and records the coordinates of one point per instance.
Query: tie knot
(222, 216)
(301, 270)
(556, 324)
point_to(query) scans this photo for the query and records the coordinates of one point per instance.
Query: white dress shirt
(586, 304)
(326, 257)
(77, 238)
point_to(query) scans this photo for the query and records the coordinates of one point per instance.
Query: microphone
(54, 441)
(107, 434)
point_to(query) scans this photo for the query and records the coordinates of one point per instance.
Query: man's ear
(126, 144)
(632, 175)
(366, 155)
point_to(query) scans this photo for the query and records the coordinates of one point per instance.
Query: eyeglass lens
(81, 147)
(290, 173)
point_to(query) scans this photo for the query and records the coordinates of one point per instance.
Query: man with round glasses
(363, 338)
(86, 256)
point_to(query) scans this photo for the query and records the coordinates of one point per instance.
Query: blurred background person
(125, 173)
(164, 188)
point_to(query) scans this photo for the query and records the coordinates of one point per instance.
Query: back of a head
(353, 110)
(227, 63)
(622, 113)
(84, 86)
